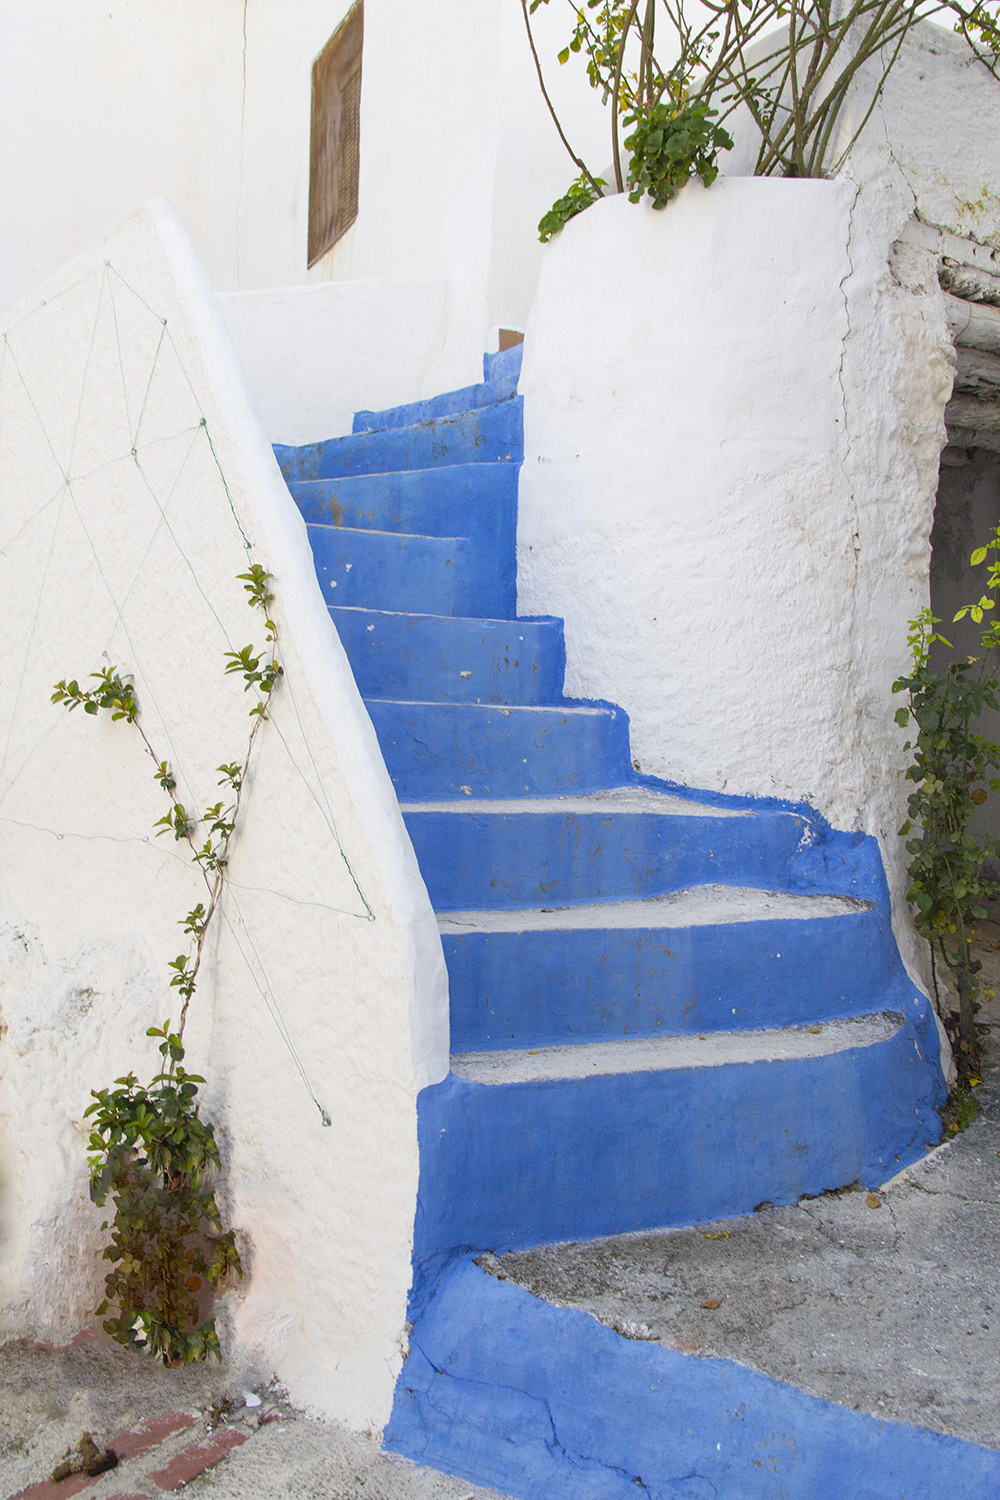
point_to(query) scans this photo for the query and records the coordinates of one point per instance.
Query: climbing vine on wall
(952, 771)
(151, 1153)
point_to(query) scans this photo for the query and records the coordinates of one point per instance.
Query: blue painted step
(530, 1147)
(492, 434)
(609, 846)
(387, 570)
(391, 570)
(617, 1068)
(449, 750)
(711, 959)
(500, 376)
(429, 657)
(477, 500)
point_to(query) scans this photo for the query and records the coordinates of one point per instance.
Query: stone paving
(171, 1428)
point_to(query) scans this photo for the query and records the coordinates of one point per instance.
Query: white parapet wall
(733, 419)
(135, 485)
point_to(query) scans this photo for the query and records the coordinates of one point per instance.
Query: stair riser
(540, 989)
(506, 861)
(490, 435)
(449, 750)
(469, 398)
(507, 1166)
(429, 575)
(474, 500)
(428, 658)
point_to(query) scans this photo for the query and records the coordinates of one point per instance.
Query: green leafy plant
(952, 770)
(150, 1151)
(154, 1156)
(667, 148)
(580, 195)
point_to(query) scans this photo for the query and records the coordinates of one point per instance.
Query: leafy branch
(951, 770)
(666, 68)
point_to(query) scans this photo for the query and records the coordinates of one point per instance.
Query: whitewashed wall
(314, 355)
(208, 104)
(728, 494)
(938, 128)
(104, 105)
(132, 473)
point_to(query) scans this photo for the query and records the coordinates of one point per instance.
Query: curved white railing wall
(733, 417)
(136, 485)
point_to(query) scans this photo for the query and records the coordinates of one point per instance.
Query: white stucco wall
(209, 105)
(104, 105)
(131, 471)
(459, 158)
(314, 355)
(729, 493)
(938, 123)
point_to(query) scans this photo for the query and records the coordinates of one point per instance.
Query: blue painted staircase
(666, 1007)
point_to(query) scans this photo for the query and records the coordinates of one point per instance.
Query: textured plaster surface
(762, 474)
(133, 474)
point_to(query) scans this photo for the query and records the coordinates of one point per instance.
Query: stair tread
(416, 614)
(398, 536)
(665, 1053)
(696, 906)
(620, 799)
(498, 708)
(395, 475)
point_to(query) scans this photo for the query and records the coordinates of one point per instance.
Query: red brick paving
(46, 1490)
(150, 1433)
(196, 1459)
(135, 1442)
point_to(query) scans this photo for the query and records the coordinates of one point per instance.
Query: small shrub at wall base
(154, 1156)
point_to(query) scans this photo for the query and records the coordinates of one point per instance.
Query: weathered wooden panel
(334, 153)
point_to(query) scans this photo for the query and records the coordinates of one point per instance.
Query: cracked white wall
(132, 470)
(739, 538)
